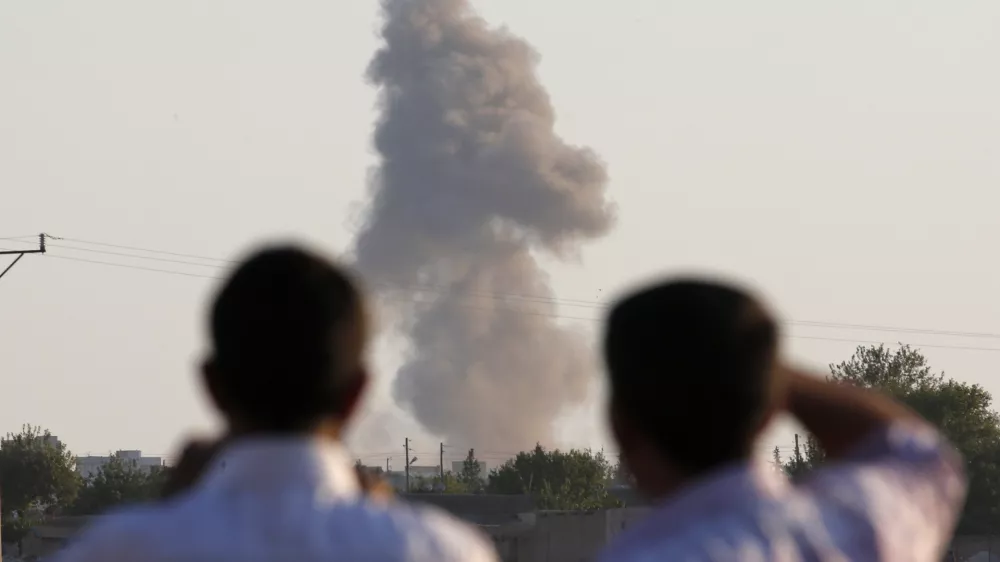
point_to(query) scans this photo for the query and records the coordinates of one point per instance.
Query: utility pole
(406, 450)
(387, 465)
(798, 454)
(442, 463)
(20, 253)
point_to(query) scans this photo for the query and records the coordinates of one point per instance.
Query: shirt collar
(722, 491)
(320, 466)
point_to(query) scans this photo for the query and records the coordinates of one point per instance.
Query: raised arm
(840, 416)
(884, 463)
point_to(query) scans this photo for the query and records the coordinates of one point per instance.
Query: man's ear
(765, 420)
(621, 427)
(354, 392)
(213, 385)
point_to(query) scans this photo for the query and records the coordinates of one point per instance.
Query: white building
(419, 475)
(88, 466)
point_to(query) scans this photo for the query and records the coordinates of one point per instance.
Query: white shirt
(895, 499)
(279, 501)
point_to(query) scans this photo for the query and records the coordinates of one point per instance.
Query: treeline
(561, 480)
(38, 478)
(962, 411)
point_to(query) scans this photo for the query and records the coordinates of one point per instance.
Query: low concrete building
(45, 539)
(479, 509)
(561, 536)
(89, 465)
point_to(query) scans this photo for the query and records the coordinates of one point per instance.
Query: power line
(968, 348)
(539, 298)
(533, 313)
(112, 264)
(122, 254)
(21, 253)
(530, 299)
(137, 249)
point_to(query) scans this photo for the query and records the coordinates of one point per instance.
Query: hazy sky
(843, 157)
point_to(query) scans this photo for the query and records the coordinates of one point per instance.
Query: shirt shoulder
(906, 484)
(905, 462)
(342, 531)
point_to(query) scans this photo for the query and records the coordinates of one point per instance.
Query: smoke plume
(472, 182)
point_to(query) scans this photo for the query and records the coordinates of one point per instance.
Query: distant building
(419, 476)
(50, 440)
(88, 466)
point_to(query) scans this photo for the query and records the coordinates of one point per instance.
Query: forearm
(840, 416)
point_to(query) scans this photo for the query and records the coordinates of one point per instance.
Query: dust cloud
(473, 184)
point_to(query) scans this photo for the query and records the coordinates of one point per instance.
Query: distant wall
(485, 509)
(562, 536)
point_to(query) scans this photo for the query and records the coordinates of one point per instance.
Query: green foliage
(421, 485)
(451, 484)
(471, 477)
(573, 480)
(35, 472)
(622, 475)
(15, 528)
(455, 484)
(962, 411)
(117, 483)
(804, 458)
(897, 373)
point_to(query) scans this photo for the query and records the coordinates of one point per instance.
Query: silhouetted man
(695, 378)
(287, 372)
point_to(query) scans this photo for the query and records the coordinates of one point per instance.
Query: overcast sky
(842, 157)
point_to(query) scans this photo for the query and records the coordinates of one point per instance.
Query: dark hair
(691, 365)
(281, 326)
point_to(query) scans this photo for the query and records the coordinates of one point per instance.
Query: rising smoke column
(472, 181)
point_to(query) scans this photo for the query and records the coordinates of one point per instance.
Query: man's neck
(328, 429)
(662, 482)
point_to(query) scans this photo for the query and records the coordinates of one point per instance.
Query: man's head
(691, 367)
(288, 335)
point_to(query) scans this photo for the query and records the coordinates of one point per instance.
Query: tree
(622, 475)
(451, 484)
(897, 373)
(962, 411)
(456, 484)
(471, 477)
(573, 480)
(37, 473)
(804, 458)
(16, 527)
(118, 482)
